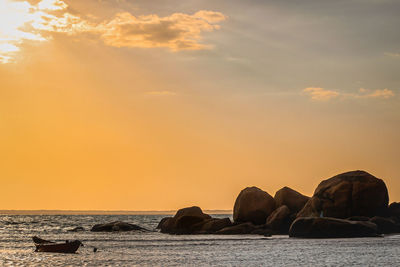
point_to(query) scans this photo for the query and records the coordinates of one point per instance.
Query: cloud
(379, 93)
(177, 32)
(161, 93)
(21, 21)
(392, 55)
(321, 94)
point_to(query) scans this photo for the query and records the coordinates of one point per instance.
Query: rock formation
(355, 193)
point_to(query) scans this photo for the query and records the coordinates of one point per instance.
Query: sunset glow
(158, 105)
(21, 21)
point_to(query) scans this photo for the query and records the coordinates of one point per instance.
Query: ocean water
(156, 249)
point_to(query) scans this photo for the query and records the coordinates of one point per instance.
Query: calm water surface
(156, 249)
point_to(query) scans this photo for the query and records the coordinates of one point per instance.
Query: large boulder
(355, 193)
(314, 227)
(116, 226)
(290, 198)
(253, 205)
(185, 221)
(280, 220)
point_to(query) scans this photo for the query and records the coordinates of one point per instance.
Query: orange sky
(123, 105)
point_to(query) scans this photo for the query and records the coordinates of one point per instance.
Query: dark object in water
(38, 240)
(76, 229)
(49, 246)
(117, 226)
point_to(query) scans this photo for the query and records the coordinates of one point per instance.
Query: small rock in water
(116, 227)
(77, 229)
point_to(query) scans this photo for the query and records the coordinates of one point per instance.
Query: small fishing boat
(49, 246)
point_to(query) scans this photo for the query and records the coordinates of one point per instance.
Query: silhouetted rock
(394, 210)
(213, 225)
(116, 226)
(76, 229)
(355, 193)
(314, 227)
(166, 224)
(253, 205)
(247, 228)
(280, 220)
(163, 220)
(263, 231)
(185, 221)
(238, 229)
(385, 225)
(290, 198)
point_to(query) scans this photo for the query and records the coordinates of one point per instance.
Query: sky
(163, 104)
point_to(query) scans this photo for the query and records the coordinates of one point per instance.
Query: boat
(43, 245)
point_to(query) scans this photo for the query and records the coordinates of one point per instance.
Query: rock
(76, 229)
(314, 227)
(245, 229)
(213, 225)
(191, 211)
(238, 229)
(355, 193)
(253, 205)
(185, 221)
(116, 226)
(291, 198)
(394, 210)
(280, 220)
(163, 220)
(186, 224)
(385, 225)
(166, 225)
(263, 231)
(358, 218)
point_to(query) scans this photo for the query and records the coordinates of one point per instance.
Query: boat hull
(70, 247)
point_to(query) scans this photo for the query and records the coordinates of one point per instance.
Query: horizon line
(99, 212)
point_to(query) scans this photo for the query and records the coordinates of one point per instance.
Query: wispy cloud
(22, 21)
(161, 93)
(379, 93)
(321, 94)
(392, 54)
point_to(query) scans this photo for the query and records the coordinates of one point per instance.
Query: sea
(157, 249)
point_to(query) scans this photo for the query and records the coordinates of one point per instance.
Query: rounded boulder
(253, 205)
(355, 193)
